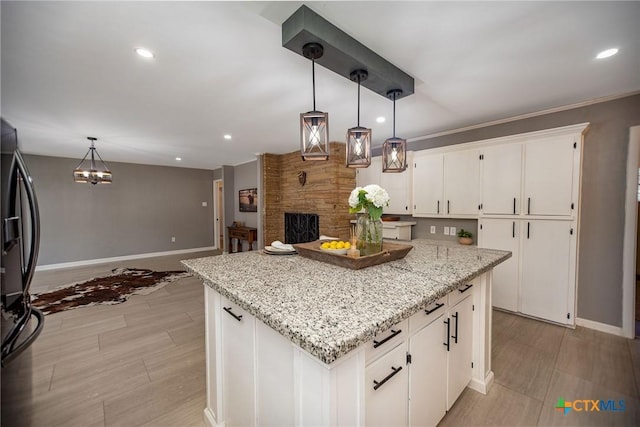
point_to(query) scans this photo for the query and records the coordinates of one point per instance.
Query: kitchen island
(293, 341)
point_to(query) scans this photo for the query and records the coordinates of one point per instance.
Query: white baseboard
(209, 418)
(602, 327)
(482, 386)
(119, 258)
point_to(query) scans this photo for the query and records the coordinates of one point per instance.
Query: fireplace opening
(301, 227)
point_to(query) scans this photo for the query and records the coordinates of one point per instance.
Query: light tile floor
(141, 363)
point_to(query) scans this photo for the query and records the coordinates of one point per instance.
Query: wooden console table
(242, 233)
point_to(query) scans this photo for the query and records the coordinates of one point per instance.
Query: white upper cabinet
(370, 175)
(398, 185)
(428, 182)
(501, 179)
(548, 175)
(461, 182)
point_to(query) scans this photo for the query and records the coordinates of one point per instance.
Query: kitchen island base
(256, 376)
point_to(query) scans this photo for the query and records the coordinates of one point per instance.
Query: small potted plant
(465, 237)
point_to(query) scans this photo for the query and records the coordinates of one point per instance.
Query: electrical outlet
(204, 204)
(452, 231)
(173, 239)
(446, 231)
(433, 229)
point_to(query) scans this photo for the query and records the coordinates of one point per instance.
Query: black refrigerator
(21, 323)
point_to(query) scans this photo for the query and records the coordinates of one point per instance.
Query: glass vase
(369, 235)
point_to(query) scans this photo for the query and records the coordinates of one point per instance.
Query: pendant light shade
(90, 171)
(359, 138)
(394, 150)
(314, 125)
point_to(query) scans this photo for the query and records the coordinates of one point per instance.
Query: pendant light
(314, 125)
(359, 138)
(394, 150)
(91, 173)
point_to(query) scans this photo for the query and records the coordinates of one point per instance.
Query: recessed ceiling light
(380, 119)
(607, 53)
(178, 158)
(145, 53)
(227, 136)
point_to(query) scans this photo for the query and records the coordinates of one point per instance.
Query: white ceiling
(69, 71)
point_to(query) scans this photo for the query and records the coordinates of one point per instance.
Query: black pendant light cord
(358, 101)
(394, 115)
(313, 79)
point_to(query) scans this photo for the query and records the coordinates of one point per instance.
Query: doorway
(218, 209)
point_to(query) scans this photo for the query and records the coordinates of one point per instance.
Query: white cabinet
(501, 179)
(398, 185)
(503, 234)
(428, 374)
(370, 175)
(428, 183)
(238, 365)
(446, 184)
(462, 182)
(549, 175)
(459, 347)
(386, 382)
(548, 283)
(539, 278)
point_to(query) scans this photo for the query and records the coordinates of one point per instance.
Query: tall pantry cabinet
(530, 191)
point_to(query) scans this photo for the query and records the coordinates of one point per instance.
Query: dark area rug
(113, 289)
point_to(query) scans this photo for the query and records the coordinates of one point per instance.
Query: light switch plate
(204, 204)
(446, 231)
(452, 231)
(433, 229)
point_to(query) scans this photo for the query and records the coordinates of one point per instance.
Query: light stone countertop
(329, 310)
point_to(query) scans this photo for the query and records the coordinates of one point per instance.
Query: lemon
(340, 245)
(347, 245)
(325, 245)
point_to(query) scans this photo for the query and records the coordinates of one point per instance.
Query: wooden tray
(390, 252)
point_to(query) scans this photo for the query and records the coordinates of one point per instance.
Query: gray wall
(139, 213)
(603, 191)
(229, 194)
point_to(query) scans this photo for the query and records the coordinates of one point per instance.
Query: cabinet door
(428, 184)
(461, 182)
(501, 179)
(398, 185)
(548, 177)
(386, 383)
(370, 175)
(503, 234)
(238, 367)
(460, 349)
(546, 253)
(428, 375)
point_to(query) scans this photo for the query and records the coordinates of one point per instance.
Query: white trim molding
(629, 267)
(597, 326)
(85, 262)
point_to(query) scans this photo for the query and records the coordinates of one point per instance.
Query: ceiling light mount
(92, 172)
(312, 51)
(342, 53)
(358, 138)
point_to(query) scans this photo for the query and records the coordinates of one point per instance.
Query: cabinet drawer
(385, 393)
(238, 234)
(427, 315)
(385, 341)
(462, 291)
(391, 233)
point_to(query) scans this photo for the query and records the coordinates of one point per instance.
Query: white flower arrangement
(372, 198)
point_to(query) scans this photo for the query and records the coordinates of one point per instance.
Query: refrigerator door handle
(9, 351)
